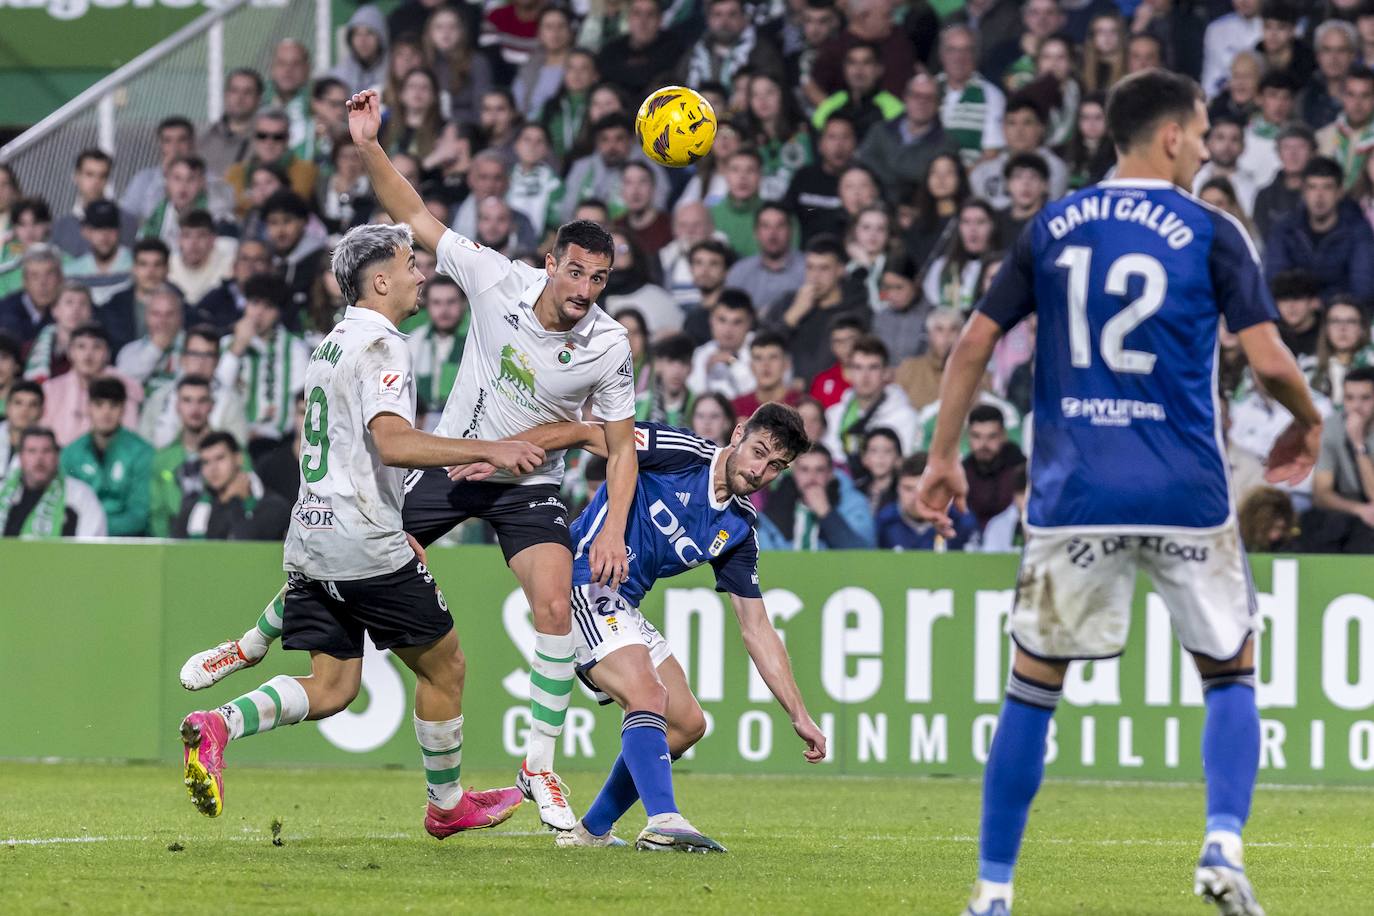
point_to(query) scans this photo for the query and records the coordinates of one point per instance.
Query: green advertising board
(901, 657)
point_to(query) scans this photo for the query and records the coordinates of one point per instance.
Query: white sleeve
(385, 381)
(300, 359)
(696, 378)
(992, 121)
(474, 267)
(614, 396)
(90, 515)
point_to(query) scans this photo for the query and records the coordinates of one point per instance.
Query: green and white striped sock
(281, 701)
(551, 683)
(255, 643)
(441, 745)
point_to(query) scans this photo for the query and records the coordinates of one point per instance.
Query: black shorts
(523, 516)
(397, 610)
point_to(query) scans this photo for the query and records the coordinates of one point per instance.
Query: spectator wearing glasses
(271, 146)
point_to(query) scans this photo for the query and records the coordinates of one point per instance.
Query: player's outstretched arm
(770, 657)
(1295, 451)
(607, 558)
(551, 437)
(394, 193)
(943, 481)
(401, 445)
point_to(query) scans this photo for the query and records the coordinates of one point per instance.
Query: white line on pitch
(255, 837)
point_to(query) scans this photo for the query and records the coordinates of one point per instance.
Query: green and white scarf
(154, 226)
(269, 381)
(806, 529)
(198, 520)
(47, 517)
(38, 367)
(964, 120)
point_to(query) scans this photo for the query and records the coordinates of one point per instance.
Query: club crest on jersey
(390, 381)
(516, 378)
(565, 354)
(719, 543)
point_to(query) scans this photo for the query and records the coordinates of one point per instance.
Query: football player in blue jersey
(1130, 279)
(690, 507)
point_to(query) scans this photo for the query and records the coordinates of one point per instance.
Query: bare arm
(765, 647)
(393, 192)
(401, 445)
(1324, 495)
(551, 437)
(1295, 451)
(607, 558)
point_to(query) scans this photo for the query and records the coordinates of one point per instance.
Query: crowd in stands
(874, 159)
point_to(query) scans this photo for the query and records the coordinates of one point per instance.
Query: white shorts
(1074, 591)
(603, 622)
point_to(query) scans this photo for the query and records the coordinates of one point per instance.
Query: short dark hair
(847, 322)
(107, 389)
(773, 205)
(269, 289)
(1295, 284)
(986, 413)
(1022, 102)
(1361, 374)
(585, 234)
(192, 162)
(825, 243)
(42, 213)
(205, 332)
(1282, 10)
(37, 432)
(1140, 102)
(913, 465)
(249, 72)
(840, 117)
(288, 202)
(92, 329)
(1360, 71)
(96, 153)
(865, 46)
(198, 219)
(175, 121)
(747, 152)
(324, 84)
(872, 346)
(220, 437)
(1280, 79)
(713, 246)
(768, 339)
(28, 386)
(884, 432)
(616, 120)
(10, 347)
(783, 425)
(193, 381)
(738, 299)
(1323, 167)
(677, 348)
(152, 244)
(1225, 119)
(1033, 161)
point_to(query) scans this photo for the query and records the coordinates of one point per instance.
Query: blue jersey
(675, 522)
(1128, 280)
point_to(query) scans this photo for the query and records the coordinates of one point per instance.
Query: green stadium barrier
(901, 657)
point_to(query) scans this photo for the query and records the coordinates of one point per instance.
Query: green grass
(353, 843)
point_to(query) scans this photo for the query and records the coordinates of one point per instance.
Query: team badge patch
(468, 243)
(627, 369)
(565, 355)
(390, 381)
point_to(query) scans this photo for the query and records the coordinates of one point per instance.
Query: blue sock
(644, 748)
(1230, 748)
(1015, 765)
(614, 799)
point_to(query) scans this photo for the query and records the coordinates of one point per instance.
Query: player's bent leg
(1230, 761)
(686, 720)
(1016, 764)
(545, 574)
(440, 670)
(210, 666)
(205, 734)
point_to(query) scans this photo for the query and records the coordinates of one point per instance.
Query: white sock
(441, 746)
(984, 892)
(281, 701)
(551, 683)
(255, 643)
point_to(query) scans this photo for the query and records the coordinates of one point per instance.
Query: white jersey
(346, 523)
(515, 375)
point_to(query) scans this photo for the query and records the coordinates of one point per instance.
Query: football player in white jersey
(352, 569)
(538, 350)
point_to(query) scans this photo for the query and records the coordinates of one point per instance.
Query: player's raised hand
(608, 561)
(478, 470)
(365, 116)
(810, 732)
(942, 483)
(1293, 455)
(514, 456)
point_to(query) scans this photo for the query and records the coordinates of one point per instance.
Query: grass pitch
(111, 838)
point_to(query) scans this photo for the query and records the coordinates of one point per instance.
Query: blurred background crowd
(873, 162)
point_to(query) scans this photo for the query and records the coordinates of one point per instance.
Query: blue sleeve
(737, 572)
(1276, 259)
(660, 447)
(1241, 293)
(1012, 294)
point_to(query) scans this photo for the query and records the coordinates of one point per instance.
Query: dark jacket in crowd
(1342, 260)
(991, 487)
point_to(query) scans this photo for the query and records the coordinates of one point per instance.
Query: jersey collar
(1136, 183)
(372, 316)
(711, 483)
(530, 296)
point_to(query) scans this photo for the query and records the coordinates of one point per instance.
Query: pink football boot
(473, 812)
(204, 736)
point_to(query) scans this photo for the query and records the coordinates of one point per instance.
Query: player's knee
(649, 696)
(448, 672)
(332, 698)
(686, 729)
(553, 615)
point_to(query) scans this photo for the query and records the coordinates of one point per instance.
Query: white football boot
(550, 795)
(1220, 876)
